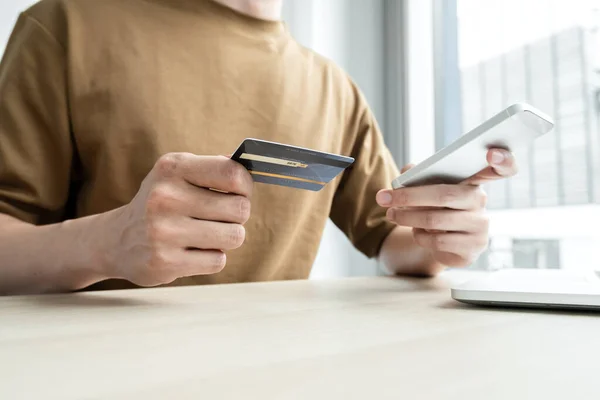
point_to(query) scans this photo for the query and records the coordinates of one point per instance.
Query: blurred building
(560, 173)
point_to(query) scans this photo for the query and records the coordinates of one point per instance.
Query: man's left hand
(449, 220)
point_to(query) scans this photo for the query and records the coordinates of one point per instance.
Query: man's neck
(261, 9)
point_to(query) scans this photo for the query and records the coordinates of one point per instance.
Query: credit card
(285, 165)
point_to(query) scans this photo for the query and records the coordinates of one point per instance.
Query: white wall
(9, 10)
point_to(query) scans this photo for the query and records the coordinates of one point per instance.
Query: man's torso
(149, 77)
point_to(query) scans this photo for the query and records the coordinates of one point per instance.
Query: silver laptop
(536, 288)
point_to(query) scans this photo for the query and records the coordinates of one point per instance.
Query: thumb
(406, 168)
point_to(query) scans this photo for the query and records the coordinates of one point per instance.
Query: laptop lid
(532, 288)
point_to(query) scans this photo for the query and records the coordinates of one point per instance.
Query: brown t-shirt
(92, 92)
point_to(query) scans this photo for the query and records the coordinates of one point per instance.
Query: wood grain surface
(354, 338)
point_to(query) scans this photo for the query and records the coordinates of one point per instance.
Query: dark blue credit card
(286, 165)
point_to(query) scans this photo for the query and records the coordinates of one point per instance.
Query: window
(490, 54)
(536, 253)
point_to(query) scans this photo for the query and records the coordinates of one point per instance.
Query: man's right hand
(176, 226)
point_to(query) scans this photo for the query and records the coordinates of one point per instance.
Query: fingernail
(498, 157)
(384, 198)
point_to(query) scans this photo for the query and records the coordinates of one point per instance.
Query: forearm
(53, 258)
(402, 256)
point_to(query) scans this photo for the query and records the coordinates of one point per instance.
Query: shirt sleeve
(354, 209)
(35, 141)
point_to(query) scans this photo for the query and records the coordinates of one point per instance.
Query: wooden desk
(359, 338)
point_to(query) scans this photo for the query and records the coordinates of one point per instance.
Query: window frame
(413, 22)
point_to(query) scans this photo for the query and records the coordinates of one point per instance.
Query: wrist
(108, 237)
(401, 255)
(414, 262)
(94, 239)
(429, 266)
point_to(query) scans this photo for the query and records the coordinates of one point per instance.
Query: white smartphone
(515, 127)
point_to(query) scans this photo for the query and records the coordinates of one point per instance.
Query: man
(115, 114)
